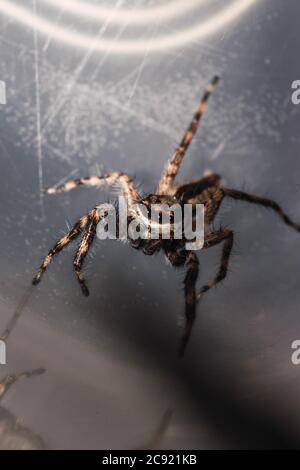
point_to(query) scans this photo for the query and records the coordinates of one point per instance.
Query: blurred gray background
(112, 369)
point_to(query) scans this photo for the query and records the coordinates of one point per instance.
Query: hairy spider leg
(190, 260)
(60, 245)
(190, 280)
(83, 248)
(187, 191)
(269, 203)
(206, 192)
(9, 380)
(214, 238)
(171, 170)
(125, 181)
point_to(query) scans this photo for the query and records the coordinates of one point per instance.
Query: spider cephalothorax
(206, 191)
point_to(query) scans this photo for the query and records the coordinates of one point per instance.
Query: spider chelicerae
(206, 190)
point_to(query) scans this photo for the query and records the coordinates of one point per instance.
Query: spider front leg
(60, 245)
(213, 239)
(83, 248)
(173, 165)
(128, 188)
(190, 260)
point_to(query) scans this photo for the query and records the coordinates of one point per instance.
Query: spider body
(206, 190)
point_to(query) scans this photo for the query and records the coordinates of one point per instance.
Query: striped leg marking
(173, 165)
(125, 181)
(190, 280)
(83, 249)
(60, 245)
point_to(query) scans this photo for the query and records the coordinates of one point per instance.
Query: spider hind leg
(269, 203)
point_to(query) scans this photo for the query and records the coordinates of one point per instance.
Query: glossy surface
(112, 369)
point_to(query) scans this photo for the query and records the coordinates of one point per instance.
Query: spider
(206, 190)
